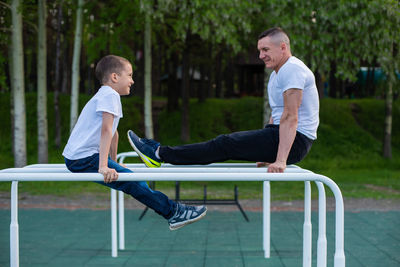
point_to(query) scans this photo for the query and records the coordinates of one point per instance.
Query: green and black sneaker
(146, 149)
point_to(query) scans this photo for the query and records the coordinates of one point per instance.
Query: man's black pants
(255, 145)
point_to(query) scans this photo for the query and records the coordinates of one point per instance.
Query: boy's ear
(114, 77)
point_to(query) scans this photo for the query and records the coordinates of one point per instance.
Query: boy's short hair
(108, 65)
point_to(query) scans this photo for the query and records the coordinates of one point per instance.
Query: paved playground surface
(59, 237)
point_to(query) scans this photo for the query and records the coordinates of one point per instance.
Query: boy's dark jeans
(155, 200)
(255, 145)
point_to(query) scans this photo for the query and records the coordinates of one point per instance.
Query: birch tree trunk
(75, 66)
(42, 85)
(18, 86)
(387, 141)
(57, 89)
(148, 117)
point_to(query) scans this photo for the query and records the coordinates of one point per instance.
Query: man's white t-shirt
(84, 140)
(295, 74)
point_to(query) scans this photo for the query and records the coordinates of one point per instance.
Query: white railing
(175, 173)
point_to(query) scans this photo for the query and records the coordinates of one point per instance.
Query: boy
(92, 146)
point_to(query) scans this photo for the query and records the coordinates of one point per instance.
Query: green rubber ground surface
(83, 238)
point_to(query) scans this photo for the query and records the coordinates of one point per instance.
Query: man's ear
(283, 46)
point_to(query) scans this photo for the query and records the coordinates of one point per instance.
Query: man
(288, 137)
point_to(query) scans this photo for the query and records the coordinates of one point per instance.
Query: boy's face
(122, 82)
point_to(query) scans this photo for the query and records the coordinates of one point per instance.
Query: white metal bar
(121, 220)
(49, 168)
(307, 227)
(46, 165)
(165, 165)
(174, 176)
(114, 252)
(266, 219)
(121, 203)
(158, 170)
(321, 242)
(339, 259)
(14, 227)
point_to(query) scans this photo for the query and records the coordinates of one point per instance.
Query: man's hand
(277, 166)
(110, 175)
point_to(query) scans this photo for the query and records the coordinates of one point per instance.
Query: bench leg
(14, 228)
(266, 218)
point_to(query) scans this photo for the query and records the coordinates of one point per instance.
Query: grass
(348, 148)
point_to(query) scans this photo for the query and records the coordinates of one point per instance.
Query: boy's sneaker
(185, 215)
(146, 149)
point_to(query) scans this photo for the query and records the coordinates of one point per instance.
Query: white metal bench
(214, 172)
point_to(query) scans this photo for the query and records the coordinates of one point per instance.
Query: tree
(148, 117)
(18, 86)
(223, 22)
(388, 44)
(57, 89)
(75, 65)
(42, 85)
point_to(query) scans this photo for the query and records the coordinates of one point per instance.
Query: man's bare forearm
(287, 134)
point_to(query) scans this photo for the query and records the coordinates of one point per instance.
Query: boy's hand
(262, 164)
(110, 175)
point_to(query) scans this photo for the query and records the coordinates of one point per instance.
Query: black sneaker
(146, 149)
(185, 215)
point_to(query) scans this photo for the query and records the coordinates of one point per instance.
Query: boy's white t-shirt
(84, 140)
(295, 74)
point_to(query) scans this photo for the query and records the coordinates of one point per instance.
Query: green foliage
(112, 29)
(214, 117)
(4, 42)
(217, 22)
(348, 33)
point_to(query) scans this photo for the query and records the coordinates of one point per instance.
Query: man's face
(271, 53)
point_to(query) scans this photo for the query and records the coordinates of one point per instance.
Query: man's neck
(284, 60)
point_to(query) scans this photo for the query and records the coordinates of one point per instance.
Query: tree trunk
(201, 93)
(185, 130)
(332, 80)
(320, 84)
(18, 86)
(267, 108)
(56, 100)
(148, 118)
(42, 85)
(75, 66)
(387, 141)
(218, 76)
(229, 77)
(173, 87)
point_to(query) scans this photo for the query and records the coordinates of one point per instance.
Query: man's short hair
(277, 35)
(108, 65)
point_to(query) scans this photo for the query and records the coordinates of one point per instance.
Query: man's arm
(287, 128)
(105, 145)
